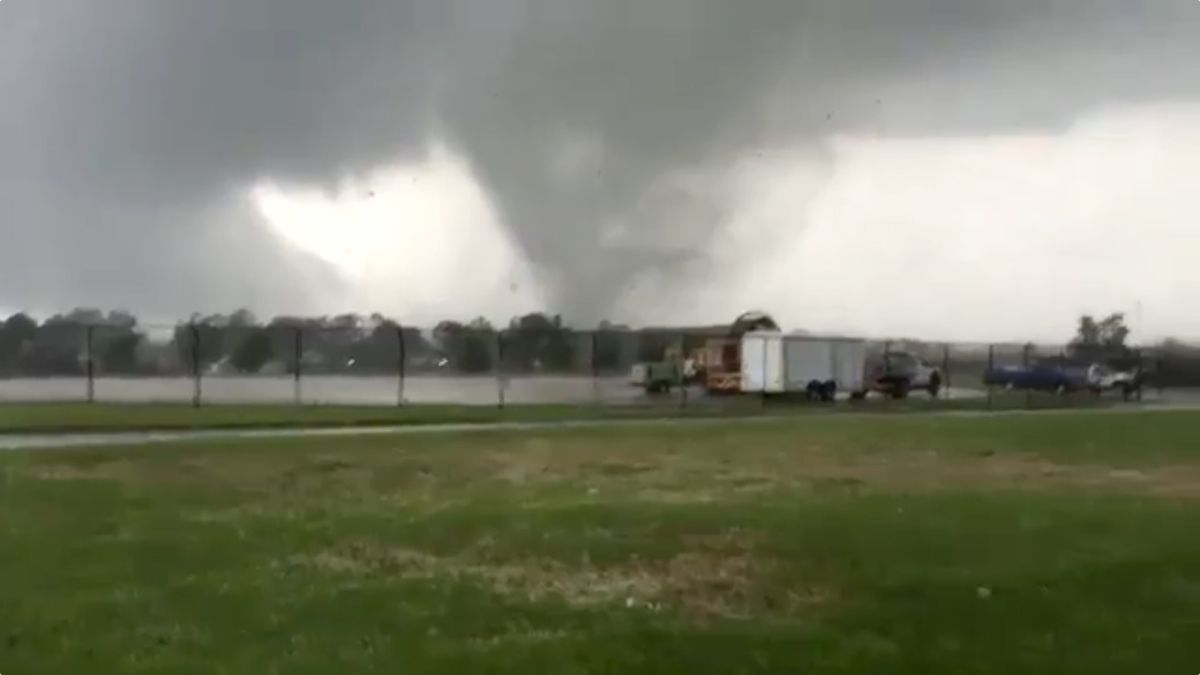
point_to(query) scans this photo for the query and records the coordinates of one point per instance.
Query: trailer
(817, 367)
(721, 363)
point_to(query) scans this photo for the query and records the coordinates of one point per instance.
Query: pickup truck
(896, 374)
(662, 376)
(1041, 376)
(1103, 378)
(1064, 377)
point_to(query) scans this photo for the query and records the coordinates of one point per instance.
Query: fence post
(946, 370)
(500, 368)
(763, 375)
(1159, 362)
(596, 367)
(90, 363)
(890, 389)
(401, 359)
(196, 388)
(298, 351)
(991, 367)
(683, 381)
(1025, 364)
(1139, 374)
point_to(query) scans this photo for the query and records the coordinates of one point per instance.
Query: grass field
(1059, 544)
(82, 417)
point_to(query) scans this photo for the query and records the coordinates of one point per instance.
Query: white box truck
(818, 367)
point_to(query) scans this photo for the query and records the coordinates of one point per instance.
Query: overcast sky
(959, 169)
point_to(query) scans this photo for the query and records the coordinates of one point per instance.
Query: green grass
(824, 544)
(81, 417)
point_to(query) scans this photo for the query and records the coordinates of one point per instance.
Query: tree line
(64, 344)
(115, 342)
(238, 343)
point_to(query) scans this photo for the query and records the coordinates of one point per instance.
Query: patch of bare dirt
(717, 576)
(262, 472)
(909, 471)
(522, 638)
(65, 472)
(675, 474)
(114, 470)
(363, 558)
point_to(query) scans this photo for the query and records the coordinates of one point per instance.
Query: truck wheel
(829, 392)
(935, 385)
(900, 389)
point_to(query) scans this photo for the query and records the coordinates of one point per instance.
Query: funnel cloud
(651, 161)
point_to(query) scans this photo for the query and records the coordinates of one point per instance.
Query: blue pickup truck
(1047, 375)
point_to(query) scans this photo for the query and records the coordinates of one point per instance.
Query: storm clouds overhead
(942, 168)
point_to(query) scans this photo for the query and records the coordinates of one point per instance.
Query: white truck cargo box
(775, 363)
(762, 363)
(850, 364)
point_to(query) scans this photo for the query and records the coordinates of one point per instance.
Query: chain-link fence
(382, 363)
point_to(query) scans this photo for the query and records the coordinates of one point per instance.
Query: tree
(416, 346)
(253, 352)
(20, 326)
(450, 337)
(121, 319)
(1088, 333)
(537, 342)
(202, 340)
(655, 345)
(347, 322)
(336, 342)
(120, 353)
(1097, 339)
(16, 337)
(1114, 332)
(379, 350)
(607, 354)
(479, 347)
(1109, 333)
(58, 345)
(242, 318)
(468, 348)
(114, 338)
(78, 317)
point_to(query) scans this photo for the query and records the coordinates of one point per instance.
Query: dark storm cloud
(129, 125)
